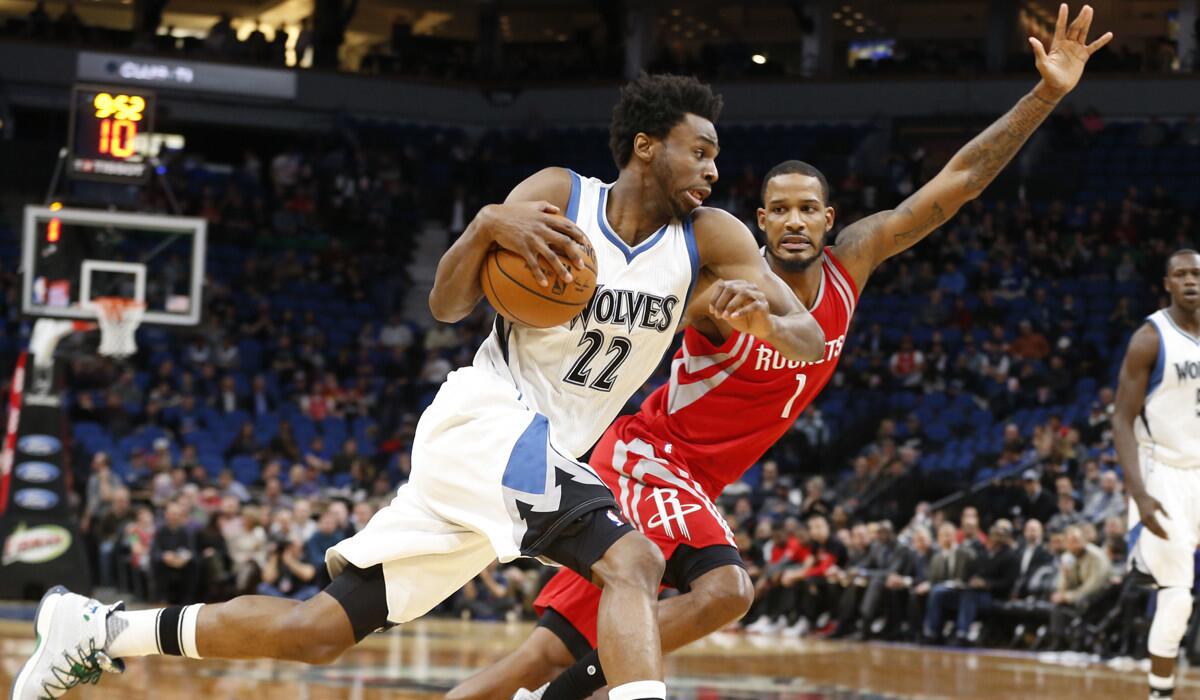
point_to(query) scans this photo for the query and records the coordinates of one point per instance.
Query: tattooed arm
(865, 244)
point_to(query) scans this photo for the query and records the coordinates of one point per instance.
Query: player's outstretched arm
(742, 291)
(1139, 362)
(527, 224)
(868, 242)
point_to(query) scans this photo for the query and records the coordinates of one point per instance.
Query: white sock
(639, 690)
(132, 633)
(146, 633)
(187, 631)
(1161, 686)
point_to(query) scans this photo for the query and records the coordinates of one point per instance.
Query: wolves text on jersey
(1187, 370)
(628, 308)
(769, 358)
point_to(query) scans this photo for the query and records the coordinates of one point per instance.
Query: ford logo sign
(37, 472)
(39, 445)
(36, 499)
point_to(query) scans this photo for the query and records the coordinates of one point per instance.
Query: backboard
(71, 256)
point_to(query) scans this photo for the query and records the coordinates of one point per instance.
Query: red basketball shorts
(658, 497)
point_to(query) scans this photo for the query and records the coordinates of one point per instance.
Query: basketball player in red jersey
(730, 395)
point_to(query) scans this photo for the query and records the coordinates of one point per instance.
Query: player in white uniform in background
(1156, 429)
(494, 461)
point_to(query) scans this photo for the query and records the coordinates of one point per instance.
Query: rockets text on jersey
(726, 404)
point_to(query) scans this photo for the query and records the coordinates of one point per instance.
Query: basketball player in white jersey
(1156, 428)
(712, 451)
(495, 471)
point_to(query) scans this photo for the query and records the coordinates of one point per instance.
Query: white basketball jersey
(1170, 423)
(580, 374)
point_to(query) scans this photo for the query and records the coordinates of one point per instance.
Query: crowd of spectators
(228, 461)
(1049, 572)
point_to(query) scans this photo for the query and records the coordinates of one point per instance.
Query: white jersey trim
(680, 396)
(1185, 334)
(843, 286)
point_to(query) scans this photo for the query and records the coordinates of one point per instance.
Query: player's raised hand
(536, 230)
(1149, 507)
(742, 305)
(1062, 67)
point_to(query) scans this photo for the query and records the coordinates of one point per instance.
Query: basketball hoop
(119, 318)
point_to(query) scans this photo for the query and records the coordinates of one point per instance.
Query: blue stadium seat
(245, 469)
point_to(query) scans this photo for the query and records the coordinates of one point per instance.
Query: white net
(119, 318)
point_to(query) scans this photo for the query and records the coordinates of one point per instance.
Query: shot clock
(105, 125)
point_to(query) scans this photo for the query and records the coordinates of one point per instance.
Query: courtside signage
(37, 472)
(39, 445)
(35, 545)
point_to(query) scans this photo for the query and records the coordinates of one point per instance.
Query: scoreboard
(106, 123)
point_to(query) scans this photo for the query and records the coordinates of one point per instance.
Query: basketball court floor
(424, 659)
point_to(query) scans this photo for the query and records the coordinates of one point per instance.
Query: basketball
(252, 387)
(514, 292)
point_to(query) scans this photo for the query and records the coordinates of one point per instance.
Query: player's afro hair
(653, 105)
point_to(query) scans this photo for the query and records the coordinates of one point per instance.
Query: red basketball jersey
(725, 405)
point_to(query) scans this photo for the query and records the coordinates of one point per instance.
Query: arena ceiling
(559, 20)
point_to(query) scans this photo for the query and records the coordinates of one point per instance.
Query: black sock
(579, 681)
(170, 638)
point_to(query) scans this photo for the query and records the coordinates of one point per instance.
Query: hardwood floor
(424, 659)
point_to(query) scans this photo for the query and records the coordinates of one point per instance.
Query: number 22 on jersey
(618, 350)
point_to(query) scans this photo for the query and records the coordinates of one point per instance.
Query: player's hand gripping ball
(516, 292)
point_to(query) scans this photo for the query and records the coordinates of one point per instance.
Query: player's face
(684, 165)
(1183, 281)
(795, 218)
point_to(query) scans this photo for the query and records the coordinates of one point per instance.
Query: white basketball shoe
(71, 635)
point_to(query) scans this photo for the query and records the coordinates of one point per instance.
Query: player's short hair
(653, 105)
(1176, 254)
(796, 167)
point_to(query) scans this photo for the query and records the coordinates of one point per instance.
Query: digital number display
(105, 124)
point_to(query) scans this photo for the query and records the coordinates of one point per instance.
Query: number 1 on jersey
(801, 379)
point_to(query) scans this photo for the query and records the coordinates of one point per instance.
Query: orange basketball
(515, 293)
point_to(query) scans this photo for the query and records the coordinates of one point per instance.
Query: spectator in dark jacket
(1035, 502)
(109, 531)
(861, 600)
(1032, 555)
(244, 443)
(325, 537)
(910, 570)
(1067, 515)
(288, 573)
(173, 555)
(260, 402)
(993, 579)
